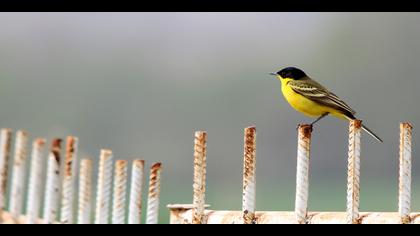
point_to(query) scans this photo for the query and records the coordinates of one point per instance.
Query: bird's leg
(319, 118)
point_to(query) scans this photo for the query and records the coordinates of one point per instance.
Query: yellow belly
(304, 105)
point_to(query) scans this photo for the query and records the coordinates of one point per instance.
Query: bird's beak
(273, 74)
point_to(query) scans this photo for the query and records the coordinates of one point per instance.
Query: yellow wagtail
(312, 99)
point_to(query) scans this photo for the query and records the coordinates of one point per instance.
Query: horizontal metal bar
(183, 215)
(7, 218)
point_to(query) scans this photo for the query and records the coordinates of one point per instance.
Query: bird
(312, 99)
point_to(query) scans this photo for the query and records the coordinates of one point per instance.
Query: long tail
(366, 129)
(371, 133)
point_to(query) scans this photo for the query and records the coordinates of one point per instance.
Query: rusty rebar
(85, 192)
(5, 146)
(302, 172)
(404, 199)
(69, 180)
(35, 181)
(353, 172)
(199, 185)
(7, 218)
(103, 195)
(52, 183)
(183, 215)
(176, 209)
(120, 192)
(18, 178)
(136, 189)
(249, 183)
(154, 194)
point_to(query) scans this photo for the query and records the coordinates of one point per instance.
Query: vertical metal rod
(404, 198)
(5, 146)
(35, 179)
(69, 181)
(353, 172)
(154, 192)
(103, 195)
(85, 192)
(199, 185)
(120, 192)
(302, 173)
(18, 178)
(137, 180)
(52, 183)
(249, 183)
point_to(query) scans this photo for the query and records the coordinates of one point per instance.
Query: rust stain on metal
(34, 191)
(415, 218)
(120, 170)
(154, 179)
(353, 172)
(7, 218)
(154, 193)
(121, 164)
(156, 166)
(357, 124)
(260, 217)
(309, 217)
(273, 217)
(20, 148)
(362, 216)
(139, 163)
(404, 203)
(249, 217)
(405, 220)
(7, 135)
(175, 214)
(56, 149)
(302, 173)
(120, 182)
(407, 125)
(199, 184)
(183, 215)
(327, 217)
(40, 141)
(249, 185)
(200, 151)
(70, 149)
(305, 130)
(249, 154)
(229, 217)
(357, 220)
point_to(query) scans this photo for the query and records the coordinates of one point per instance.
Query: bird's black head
(291, 73)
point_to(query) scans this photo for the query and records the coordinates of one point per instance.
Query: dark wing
(317, 93)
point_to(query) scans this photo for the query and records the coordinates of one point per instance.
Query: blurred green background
(142, 83)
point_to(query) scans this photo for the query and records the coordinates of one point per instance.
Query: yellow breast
(301, 103)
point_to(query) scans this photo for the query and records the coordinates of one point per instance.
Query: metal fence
(197, 213)
(115, 200)
(62, 202)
